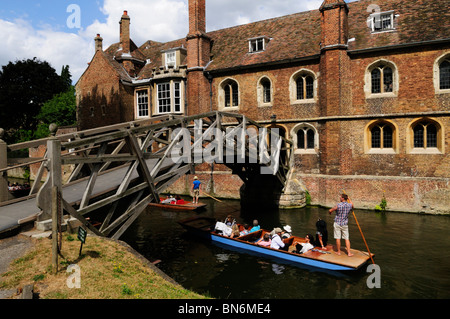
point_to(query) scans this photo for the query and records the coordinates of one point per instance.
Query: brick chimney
(334, 23)
(198, 42)
(198, 56)
(197, 16)
(125, 32)
(98, 43)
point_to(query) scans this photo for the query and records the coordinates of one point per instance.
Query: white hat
(195, 177)
(287, 228)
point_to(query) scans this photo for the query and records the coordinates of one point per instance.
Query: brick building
(362, 89)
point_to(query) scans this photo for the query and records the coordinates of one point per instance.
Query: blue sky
(39, 28)
(50, 13)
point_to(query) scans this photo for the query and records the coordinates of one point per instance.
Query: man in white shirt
(277, 243)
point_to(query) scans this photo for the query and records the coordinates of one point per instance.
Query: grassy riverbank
(108, 270)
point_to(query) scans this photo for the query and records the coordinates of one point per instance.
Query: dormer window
(171, 59)
(381, 21)
(257, 44)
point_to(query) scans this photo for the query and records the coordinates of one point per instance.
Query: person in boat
(179, 200)
(321, 234)
(196, 186)
(255, 227)
(169, 200)
(235, 231)
(245, 230)
(223, 229)
(265, 241)
(277, 242)
(342, 209)
(287, 232)
(230, 221)
(302, 248)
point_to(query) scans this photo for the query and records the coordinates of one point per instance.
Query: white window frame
(172, 96)
(258, 44)
(378, 17)
(171, 59)
(141, 111)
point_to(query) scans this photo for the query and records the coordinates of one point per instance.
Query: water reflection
(409, 248)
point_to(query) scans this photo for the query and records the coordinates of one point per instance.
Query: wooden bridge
(124, 167)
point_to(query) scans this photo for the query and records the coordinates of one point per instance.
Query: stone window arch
(381, 79)
(306, 139)
(381, 137)
(265, 91)
(303, 87)
(425, 136)
(229, 97)
(441, 74)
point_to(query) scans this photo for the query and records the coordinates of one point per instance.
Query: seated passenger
(245, 230)
(304, 247)
(230, 221)
(277, 243)
(265, 241)
(169, 200)
(287, 232)
(235, 231)
(255, 227)
(223, 229)
(180, 201)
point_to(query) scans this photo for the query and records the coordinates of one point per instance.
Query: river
(410, 249)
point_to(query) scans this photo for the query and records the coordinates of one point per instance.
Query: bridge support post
(3, 164)
(54, 154)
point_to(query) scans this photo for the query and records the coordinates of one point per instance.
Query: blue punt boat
(324, 259)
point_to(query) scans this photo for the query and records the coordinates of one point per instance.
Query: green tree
(61, 110)
(66, 77)
(24, 88)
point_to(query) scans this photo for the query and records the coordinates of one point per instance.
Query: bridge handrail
(90, 132)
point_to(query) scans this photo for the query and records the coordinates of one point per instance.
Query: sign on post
(82, 233)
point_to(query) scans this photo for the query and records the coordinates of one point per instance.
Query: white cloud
(158, 20)
(20, 41)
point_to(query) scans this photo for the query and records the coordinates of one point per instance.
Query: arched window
(444, 74)
(264, 92)
(382, 79)
(230, 93)
(305, 137)
(382, 136)
(425, 135)
(302, 87)
(305, 87)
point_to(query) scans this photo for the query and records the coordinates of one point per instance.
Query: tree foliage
(24, 88)
(61, 110)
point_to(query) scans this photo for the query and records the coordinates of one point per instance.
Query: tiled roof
(298, 35)
(293, 36)
(417, 21)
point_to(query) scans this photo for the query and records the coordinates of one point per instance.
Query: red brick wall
(98, 89)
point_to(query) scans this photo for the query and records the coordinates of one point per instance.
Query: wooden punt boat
(324, 259)
(186, 206)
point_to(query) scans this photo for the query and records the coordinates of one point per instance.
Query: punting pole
(211, 196)
(362, 235)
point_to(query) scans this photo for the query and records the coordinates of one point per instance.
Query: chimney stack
(197, 16)
(125, 32)
(98, 43)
